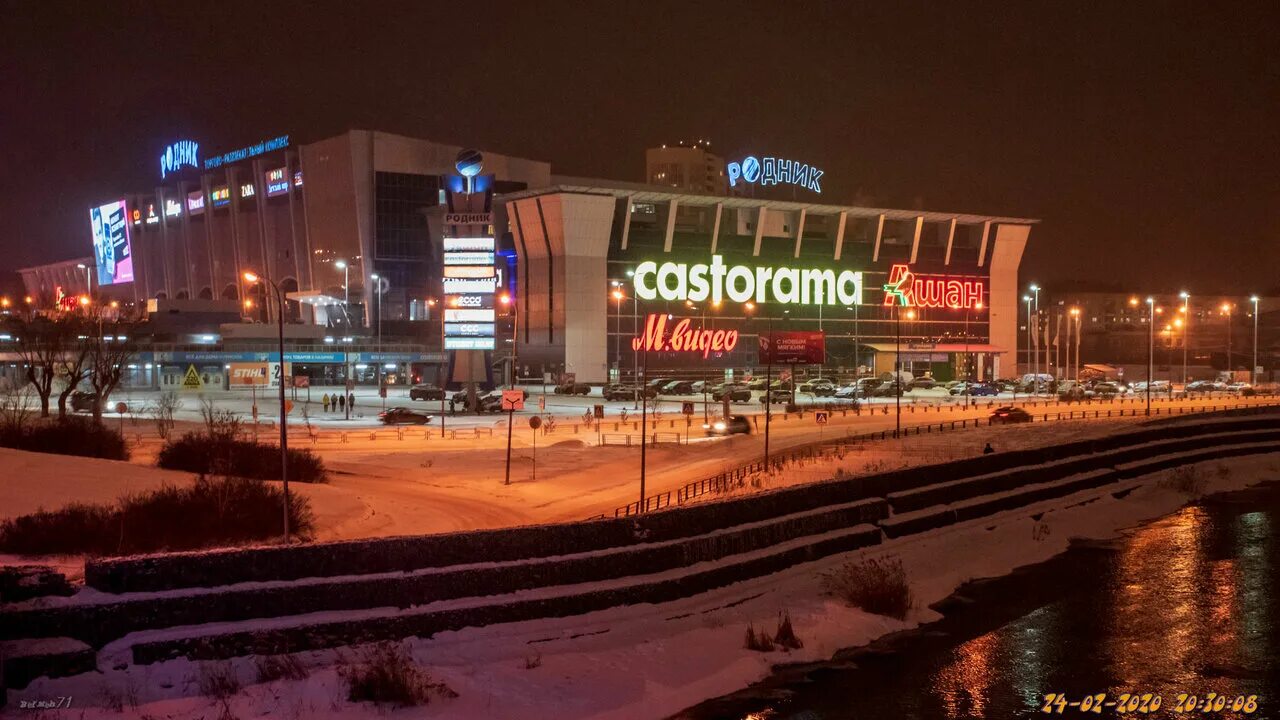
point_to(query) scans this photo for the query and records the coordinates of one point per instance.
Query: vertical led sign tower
(469, 275)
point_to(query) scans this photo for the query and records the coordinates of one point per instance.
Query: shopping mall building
(601, 276)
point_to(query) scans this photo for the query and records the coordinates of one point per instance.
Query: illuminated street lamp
(509, 302)
(1027, 300)
(1035, 289)
(252, 278)
(346, 283)
(88, 278)
(1151, 347)
(1226, 310)
(618, 297)
(1075, 320)
(1186, 333)
(1253, 371)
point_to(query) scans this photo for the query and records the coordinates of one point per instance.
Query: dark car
(1009, 414)
(888, 388)
(736, 392)
(403, 416)
(776, 396)
(82, 401)
(574, 388)
(618, 391)
(677, 387)
(426, 392)
(757, 384)
(819, 386)
(921, 383)
(983, 389)
(1106, 389)
(732, 425)
(492, 400)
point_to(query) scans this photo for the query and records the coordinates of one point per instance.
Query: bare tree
(40, 345)
(15, 406)
(111, 346)
(166, 405)
(72, 366)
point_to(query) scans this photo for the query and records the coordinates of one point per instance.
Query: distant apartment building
(689, 167)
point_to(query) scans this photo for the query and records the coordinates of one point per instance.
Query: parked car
(83, 401)
(737, 392)
(821, 387)
(677, 387)
(575, 388)
(426, 392)
(1239, 387)
(492, 400)
(403, 416)
(868, 385)
(1158, 387)
(888, 388)
(847, 392)
(975, 389)
(1009, 414)
(776, 396)
(781, 385)
(1206, 386)
(1105, 389)
(618, 391)
(757, 384)
(698, 385)
(922, 383)
(654, 386)
(732, 425)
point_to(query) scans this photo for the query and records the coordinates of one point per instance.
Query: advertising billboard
(113, 256)
(793, 347)
(257, 374)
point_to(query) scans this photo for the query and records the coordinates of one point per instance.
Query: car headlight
(720, 426)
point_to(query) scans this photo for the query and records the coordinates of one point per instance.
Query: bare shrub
(877, 586)
(785, 636)
(1186, 480)
(758, 641)
(388, 675)
(218, 680)
(162, 413)
(280, 667)
(533, 661)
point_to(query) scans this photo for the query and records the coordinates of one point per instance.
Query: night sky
(1145, 138)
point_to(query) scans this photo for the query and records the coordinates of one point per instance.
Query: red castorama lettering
(684, 337)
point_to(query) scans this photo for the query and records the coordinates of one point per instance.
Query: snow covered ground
(644, 661)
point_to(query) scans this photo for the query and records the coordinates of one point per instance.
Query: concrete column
(844, 218)
(799, 232)
(671, 224)
(715, 228)
(951, 238)
(755, 252)
(982, 248)
(915, 241)
(626, 222)
(875, 254)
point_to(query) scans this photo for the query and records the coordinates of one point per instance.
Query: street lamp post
(346, 288)
(88, 278)
(515, 331)
(1035, 289)
(284, 423)
(1027, 300)
(1075, 320)
(1253, 369)
(1151, 347)
(1226, 308)
(617, 295)
(1186, 334)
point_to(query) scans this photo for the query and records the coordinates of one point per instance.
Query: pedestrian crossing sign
(192, 379)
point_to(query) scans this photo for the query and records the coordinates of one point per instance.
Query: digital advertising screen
(113, 257)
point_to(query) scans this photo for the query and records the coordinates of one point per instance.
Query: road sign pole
(511, 420)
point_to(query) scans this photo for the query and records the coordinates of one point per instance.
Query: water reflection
(1186, 604)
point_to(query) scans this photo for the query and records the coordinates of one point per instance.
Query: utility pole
(1186, 334)
(1151, 347)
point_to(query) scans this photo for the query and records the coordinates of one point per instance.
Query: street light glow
(617, 294)
(340, 264)
(250, 277)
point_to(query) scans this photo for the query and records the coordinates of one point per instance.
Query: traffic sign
(288, 406)
(687, 408)
(820, 417)
(535, 422)
(192, 381)
(382, 392)
(599, 411)
(122, 408)
(302, 381)
(512, 400)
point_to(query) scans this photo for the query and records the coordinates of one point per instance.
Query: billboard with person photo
(113, 257)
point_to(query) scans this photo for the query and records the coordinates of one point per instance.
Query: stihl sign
(683, 338)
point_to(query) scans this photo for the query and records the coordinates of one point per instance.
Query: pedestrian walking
(351, 401)
(342, 403)
(325, 399)
(988, 449)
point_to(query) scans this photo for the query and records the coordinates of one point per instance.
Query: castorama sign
(177, 155)
(775, 171)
